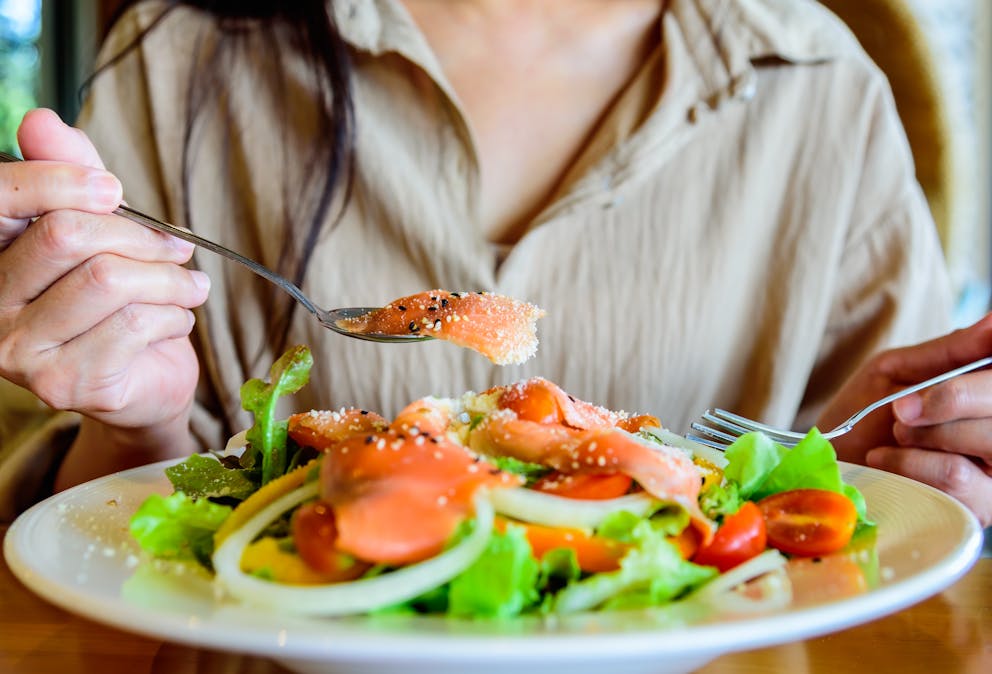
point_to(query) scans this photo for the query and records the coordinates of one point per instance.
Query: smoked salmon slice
(666, 473)
(321, 429)
(501, 328)
(398, 498)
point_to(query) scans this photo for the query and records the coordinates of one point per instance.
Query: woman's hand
(94, 309)
(942, 435)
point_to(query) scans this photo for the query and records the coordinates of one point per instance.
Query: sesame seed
(401, 307)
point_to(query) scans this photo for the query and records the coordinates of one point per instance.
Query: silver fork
(719, 428)
(327, 317)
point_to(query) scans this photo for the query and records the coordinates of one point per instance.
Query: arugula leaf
(203, 477)
(178, 527)
(267, 437)
(531, 471)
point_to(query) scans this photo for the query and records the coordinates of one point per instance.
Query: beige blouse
(742, 230)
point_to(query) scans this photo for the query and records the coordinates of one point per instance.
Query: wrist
(100, 449)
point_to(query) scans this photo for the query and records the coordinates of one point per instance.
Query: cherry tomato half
(314, 535)
(534, 402)
(739, 538)
(590, 487)
(809, 522)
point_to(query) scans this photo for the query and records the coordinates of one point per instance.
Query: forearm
(100, 449)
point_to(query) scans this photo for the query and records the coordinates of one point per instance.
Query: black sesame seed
(431, 308)
(456, 295)
(369, 439)
(413, 326)
(401, 307)
(437, 325)
(572, 398)
(433, 439)
(444, 302)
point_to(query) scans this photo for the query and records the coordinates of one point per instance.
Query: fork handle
(186, 235)
(981, 362)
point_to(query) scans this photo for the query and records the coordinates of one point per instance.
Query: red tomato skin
(314, 535)
(809, 522)
(537, 404)
(740, 537)
(594, 487)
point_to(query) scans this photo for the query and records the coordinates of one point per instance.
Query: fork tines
(719, 428)
(715, 437)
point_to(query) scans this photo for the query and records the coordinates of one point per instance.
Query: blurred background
(937, 54)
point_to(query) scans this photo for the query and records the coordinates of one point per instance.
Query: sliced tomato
(809, 522)
(740, 537)
(315, 535)
(533, 402)
(593, 553)
(590, 487)
(687, 542)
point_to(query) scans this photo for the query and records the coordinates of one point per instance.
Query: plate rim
(352, 643)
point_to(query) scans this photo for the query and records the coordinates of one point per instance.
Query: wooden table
(949, 633)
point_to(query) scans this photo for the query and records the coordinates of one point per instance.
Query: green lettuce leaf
(178, 527)
(501, 583)
(267, 436)
(651, 574)
(750, 459)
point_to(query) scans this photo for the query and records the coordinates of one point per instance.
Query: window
(959, 33)
(20, 27)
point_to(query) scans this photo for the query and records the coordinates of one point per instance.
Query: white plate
(74, 550)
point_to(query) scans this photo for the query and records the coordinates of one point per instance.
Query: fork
(327, 317)
(719, 428)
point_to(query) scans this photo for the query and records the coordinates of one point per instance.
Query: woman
(713, 200)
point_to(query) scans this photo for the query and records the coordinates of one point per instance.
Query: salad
(517, 500)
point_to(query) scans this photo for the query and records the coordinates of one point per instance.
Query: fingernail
(104, 188)
(909, 408)
(201, 280)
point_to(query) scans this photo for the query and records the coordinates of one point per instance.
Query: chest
(532, 94)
